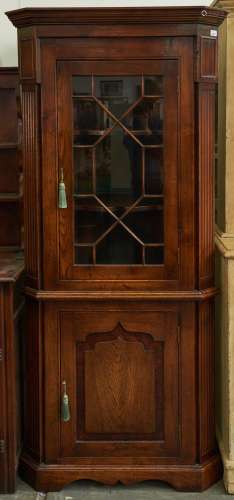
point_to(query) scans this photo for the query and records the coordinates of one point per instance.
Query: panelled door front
(117, 141)
(122, 380)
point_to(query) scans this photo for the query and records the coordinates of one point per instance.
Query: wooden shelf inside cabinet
(8, 145)
(10, 197)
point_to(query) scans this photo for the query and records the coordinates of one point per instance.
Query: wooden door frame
(180, 50)
(65, 70)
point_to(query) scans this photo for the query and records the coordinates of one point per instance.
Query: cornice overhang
(108, 15)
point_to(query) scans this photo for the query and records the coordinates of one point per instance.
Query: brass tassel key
(62, 202)
(65, 410)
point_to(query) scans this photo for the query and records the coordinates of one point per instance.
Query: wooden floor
(86, 490)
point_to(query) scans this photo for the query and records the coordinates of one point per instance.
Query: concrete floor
(87, 490)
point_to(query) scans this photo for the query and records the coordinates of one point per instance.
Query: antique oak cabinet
(118, 126)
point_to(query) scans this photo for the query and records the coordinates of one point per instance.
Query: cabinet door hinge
(2, 446)
(1, 354)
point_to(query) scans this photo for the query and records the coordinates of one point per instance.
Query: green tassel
(65, 410)
(62, 193)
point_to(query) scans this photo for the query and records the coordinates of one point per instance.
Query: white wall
(8, 37)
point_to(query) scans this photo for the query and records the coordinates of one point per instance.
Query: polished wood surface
(128, 15)
(11, 308)
(135, 345)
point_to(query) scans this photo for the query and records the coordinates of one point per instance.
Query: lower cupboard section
(139, 383)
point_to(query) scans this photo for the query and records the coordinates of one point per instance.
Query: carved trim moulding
(125, 15)
(197, 295)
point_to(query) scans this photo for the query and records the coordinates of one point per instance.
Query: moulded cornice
(122, 15)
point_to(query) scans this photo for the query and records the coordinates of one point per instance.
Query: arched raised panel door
(122, 383)
(117, 151)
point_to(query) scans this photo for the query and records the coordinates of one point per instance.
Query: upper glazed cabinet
(118, 128)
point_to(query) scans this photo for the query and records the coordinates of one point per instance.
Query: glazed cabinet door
(123, 381)
(117, 155)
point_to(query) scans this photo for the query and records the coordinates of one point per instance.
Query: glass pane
(119, 247)
(146, 220)
(82, 85)
(146, 122)
(91, 220)
(154, 255)
(118, 170)
(83, 165)
(90, 121)
(154, 171)
(83, 255)
(153, 85)
(117, 93)
(118, 160)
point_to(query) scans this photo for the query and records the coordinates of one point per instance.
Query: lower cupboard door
(122, 376)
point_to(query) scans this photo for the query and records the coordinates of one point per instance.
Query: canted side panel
(206, 380)
(30, 111)
(32, 376)
(208, 61)
(206, 107)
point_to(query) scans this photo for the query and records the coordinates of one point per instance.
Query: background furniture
(225, 246)
(11, 315)
(118, 145)
(10, 161)
(11, 279)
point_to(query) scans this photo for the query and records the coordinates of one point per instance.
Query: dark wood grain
(206, 123)
(206, 380)
(32, 386)
(11, 272)
(130, 369)
(31, 158)
(134, 345)
(139, 15)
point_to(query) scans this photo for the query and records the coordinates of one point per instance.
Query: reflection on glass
(91, 220)
(146, 220)
(83, 165)
(118, 170)
(153, 85)
(82, 85)
(90, 121)
(154, 171)
(117, 93)
(154, 255)
(119, 247)
(145, 122)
